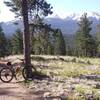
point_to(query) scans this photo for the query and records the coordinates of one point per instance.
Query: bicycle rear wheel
(6, 75)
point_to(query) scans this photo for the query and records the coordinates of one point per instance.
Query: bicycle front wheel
(6, 75)
(24, 73)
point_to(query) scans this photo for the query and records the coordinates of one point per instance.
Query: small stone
(98, 86)
(89, 97)
(46, 94)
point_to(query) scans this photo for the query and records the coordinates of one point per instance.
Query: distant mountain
(10, 27)
(68, 24)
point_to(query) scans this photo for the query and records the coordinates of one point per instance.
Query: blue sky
(60, 7)
(76, 5)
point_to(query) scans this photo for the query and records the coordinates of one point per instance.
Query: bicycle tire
(24, 73)
(6, 75)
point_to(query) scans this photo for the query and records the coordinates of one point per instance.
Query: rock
(63, 87)
(63, 98)
(92, 77)
(57, 99)
(89, 97)
(46, 94)
(98, 86)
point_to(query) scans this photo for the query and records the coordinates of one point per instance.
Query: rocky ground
(59, 88)
(69, 78)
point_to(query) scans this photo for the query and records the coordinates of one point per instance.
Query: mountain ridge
(68, 25)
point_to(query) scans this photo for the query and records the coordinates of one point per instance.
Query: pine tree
(3, 49)
(59, 47)
(17, 42)
(35, 7)
(98, 40)
(26, 38)
(41, 43)
(9, 46)
(69, 50)
(85, 44)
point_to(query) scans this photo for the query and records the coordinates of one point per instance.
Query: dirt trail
(14, 91)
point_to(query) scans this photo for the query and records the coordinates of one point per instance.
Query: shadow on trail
(4, 92)
(8, 91)
(39, 76)
(90, 77)
(11, 90)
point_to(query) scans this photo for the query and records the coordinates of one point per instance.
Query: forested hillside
(51, 41)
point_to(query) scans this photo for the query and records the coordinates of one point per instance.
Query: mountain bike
(10, 71)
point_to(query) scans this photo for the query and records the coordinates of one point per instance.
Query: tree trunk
(26, 38)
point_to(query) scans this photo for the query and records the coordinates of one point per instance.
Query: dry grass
(63, 65)
(67, 66)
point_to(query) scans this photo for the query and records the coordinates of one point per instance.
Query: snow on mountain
(76, 16)
(67, 23)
